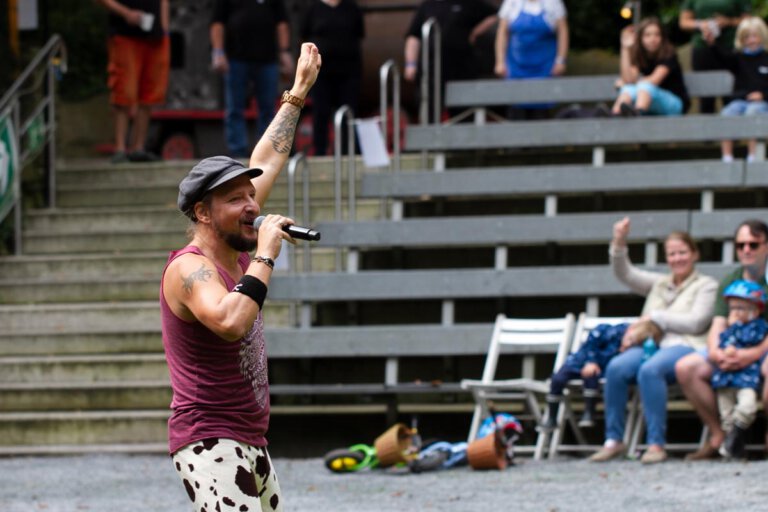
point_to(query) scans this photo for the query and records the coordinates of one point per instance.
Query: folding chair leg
(541, 442)
(704, 436)
(638, 429)
(557, 435)
(634, 411)
(481, 410)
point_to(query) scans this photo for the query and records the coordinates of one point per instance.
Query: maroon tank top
(220, 387)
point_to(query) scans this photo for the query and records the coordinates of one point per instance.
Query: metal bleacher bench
(597, 132)
(572, 89)
(445, 337)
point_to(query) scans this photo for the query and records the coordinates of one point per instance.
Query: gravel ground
(123, 483)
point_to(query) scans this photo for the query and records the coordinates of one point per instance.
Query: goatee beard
(235, 241)
(240, 244)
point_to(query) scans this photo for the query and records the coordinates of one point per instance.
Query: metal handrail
(387, 70)
(338, 119)
(53, 56)
(299, 160)
(430, 26)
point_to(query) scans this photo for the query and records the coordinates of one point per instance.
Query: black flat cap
(208, 174)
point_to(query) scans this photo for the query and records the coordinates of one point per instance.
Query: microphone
(294, 231)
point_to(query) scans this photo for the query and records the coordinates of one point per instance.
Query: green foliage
(82, 24)
(597, 23)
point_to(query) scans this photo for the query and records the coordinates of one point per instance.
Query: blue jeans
(264, 79)
(663, 102)
(745, 108)
(652, 377)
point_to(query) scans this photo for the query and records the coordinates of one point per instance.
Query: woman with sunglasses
(694, 372)
(678, 309)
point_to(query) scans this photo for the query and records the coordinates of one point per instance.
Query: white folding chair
(566, 416)
(528, 337)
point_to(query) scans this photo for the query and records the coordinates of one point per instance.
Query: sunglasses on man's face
(752, 245)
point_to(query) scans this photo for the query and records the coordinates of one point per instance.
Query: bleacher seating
(439, 292)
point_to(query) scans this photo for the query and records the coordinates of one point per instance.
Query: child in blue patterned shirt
(737, 390)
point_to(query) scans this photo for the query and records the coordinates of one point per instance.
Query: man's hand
(590, 370)
(731, 359)
(271, 236)
(133, 17)
(307, 69)
(219, 62)
(755, 96)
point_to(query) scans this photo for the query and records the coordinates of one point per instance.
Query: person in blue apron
(531, 42)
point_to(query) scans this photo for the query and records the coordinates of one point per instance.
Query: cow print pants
(222, 475)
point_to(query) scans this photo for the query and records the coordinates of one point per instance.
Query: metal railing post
(430, 31)
(427, 29)
(388, 69)
(338, 119)
(298, 161)
(53, 56)
(17, 217)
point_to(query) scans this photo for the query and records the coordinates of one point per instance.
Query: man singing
(212, 293)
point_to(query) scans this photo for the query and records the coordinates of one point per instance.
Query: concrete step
(99, 317)
(74, 171)
(80, 317)
(99, 231)
(78, 289)
(83, 368)
(141, 218)
(91, 278)
(136, 340)
(47, 396)
(61, 267)
(117, 218)
(19, 429)
(80, 449)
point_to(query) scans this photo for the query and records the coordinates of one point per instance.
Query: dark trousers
(331, 91)
(706, 59)
(564, 374)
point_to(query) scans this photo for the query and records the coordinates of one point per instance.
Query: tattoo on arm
(282, 130)
(201, 274)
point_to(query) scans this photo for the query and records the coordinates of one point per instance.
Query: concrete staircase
(81, 361)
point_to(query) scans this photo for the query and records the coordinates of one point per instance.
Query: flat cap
(208, 174)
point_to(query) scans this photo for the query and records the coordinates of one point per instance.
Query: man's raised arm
(272, 151)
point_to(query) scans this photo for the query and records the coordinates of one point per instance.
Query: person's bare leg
(643, 101)
(726, 149)
(623, 98)
(751, 148)
(140, 127)
(693, 374)
(121, 127)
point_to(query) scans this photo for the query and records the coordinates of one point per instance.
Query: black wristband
(253, 288)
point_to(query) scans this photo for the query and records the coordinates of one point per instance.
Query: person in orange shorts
(139, 62)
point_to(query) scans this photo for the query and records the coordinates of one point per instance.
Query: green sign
(9, 164)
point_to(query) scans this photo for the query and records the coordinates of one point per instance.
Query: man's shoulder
(731, 276)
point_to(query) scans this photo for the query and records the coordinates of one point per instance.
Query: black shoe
(142, 156)
(628, 110)
(587, 419)
(735, 443)
(551, 422)
(119, 157)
